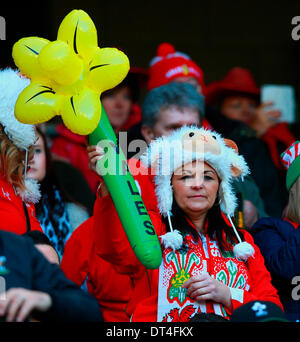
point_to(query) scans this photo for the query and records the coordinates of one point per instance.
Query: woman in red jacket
(17, 194)
(207, 266)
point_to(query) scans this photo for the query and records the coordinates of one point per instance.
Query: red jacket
(72, 148)
(111, 289)
(112, 244)
(81, 264)
(13, 217)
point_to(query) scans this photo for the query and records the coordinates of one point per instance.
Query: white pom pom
(172, 239)
(243, 250)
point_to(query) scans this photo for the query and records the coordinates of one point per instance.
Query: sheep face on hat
(199, 140)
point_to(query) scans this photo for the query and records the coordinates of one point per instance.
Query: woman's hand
(19, 303)
(263, 119)
(95, 153)
(204, 287)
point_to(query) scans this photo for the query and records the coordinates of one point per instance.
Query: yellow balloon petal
(25, 54)
(36, 104)
(78, 30)
(108, 68)
(73, 88)
(61, 63)
(81, 113)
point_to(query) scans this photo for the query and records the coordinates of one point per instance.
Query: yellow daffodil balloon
(67, 75)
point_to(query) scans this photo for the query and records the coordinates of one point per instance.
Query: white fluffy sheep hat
(22, 135)
(11, 85)
(189, 143)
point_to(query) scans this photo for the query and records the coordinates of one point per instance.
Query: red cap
(169, 64)
(237, 80)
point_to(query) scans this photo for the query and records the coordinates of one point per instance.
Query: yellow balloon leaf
(25, 54)
(108, 68)
(78, 30)
(37, 103)
(82, 111)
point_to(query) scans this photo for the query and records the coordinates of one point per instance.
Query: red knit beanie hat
(169, 64)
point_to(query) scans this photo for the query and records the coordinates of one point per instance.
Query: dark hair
(216, 226)
(50, 182)
(131, 82)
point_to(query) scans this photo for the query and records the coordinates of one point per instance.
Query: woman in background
(58, 214)
(17, 195)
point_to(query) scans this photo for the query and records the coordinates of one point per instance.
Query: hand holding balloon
(95, 153)
(112, 166)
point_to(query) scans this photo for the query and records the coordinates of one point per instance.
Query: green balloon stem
(126, 197)
(103, 131)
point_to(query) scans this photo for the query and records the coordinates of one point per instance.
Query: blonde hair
(12, 161)
(292, 210)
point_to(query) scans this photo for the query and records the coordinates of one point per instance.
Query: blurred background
(218, 35)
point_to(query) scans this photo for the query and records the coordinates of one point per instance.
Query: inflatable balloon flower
(67, 75)
(67, 78)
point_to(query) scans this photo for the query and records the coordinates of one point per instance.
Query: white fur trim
(32, 192)
(172, 239)
(11, 85)
(243, 250)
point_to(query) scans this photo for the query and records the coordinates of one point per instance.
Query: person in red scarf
(208, 266)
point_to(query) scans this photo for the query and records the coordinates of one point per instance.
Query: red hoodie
(111, 289)
(12, 214)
